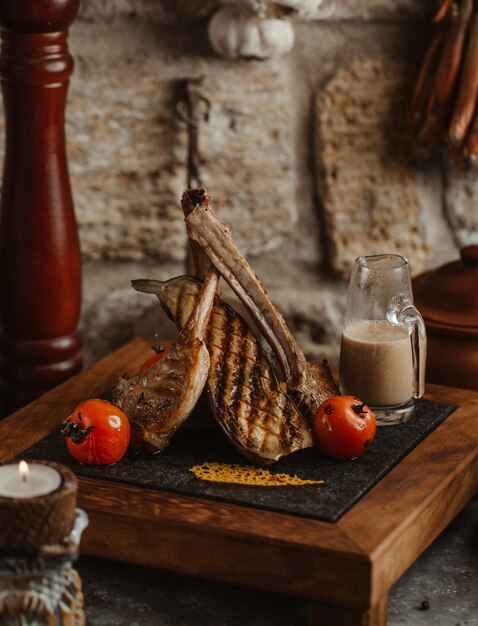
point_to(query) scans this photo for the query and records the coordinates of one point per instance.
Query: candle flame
(23, 470)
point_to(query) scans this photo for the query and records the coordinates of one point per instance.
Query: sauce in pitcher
(376, 363)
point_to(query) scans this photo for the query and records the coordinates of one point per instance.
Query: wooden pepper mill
(40, 264)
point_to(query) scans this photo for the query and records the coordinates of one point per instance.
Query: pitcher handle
(410, 316)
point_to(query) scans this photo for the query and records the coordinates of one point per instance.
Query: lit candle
(37, 506)
(28, 481)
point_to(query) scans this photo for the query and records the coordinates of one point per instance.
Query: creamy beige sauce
(376, 363)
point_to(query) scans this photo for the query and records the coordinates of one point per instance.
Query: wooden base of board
(345, 569)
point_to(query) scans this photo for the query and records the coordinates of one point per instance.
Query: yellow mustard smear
(246, 475)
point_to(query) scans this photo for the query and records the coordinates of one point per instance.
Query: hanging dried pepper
(444, 104)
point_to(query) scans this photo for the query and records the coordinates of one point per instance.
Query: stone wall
(304, 157)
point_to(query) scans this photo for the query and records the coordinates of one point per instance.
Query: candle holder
(29, 523)
(40, 532)
(44, 589)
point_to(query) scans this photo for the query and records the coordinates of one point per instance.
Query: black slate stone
(200, 440)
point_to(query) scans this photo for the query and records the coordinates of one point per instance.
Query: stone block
(315, 318)
(382, 9)
(128, 151)
(112, 309)
(180, 11)
(107, 323)
(461, 191)
(160, 11)
(371, 195)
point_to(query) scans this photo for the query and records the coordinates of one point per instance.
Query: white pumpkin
(235, 33)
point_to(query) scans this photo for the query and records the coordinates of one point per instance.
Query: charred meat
(262, 422)
(161, 398)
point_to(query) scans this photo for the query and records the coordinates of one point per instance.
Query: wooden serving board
(345, 568)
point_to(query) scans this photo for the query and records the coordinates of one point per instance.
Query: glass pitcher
(383, 350)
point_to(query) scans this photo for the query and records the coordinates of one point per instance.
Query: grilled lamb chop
(309, 384)
(262, 422)
(161, 398)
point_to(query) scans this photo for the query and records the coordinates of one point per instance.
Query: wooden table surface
(345, 569)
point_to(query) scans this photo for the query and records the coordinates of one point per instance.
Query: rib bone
(197, 263)
(309, 383)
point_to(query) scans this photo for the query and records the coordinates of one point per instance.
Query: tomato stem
(75, 432)
(358, 408)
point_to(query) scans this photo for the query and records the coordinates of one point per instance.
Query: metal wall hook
(193, 109)
(183, 108)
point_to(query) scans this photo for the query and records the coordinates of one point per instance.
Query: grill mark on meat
(256, 396)
(180, 299)
(217, 369)
(242, 367)
(212, 359)
(243, 407)
(262, 421)
(246, 380)
(229, 364)
(232, 358)
(221, 366)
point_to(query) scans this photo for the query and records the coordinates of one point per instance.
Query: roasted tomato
(159, 352)
(97, 432)
(344, 427)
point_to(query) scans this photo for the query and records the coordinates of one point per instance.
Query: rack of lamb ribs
(245, 395)
(309, 384)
